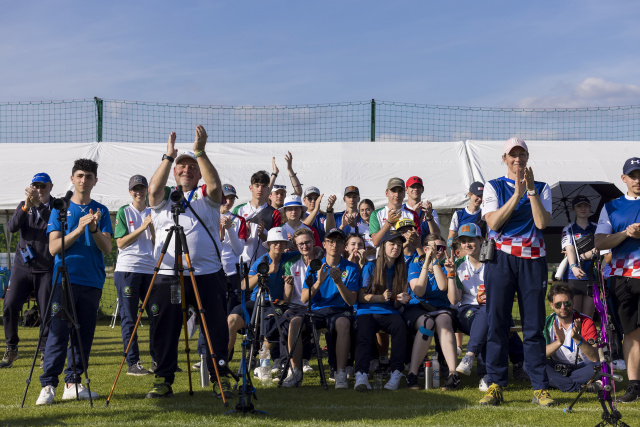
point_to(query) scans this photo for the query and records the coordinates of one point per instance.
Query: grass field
(308, 405)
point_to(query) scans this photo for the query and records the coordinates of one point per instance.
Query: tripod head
(62, 205)
(177, 197)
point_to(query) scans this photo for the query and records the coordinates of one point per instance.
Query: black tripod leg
(290, 354)
(323, 378)
(45, 322)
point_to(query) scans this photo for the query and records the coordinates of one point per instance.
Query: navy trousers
(505, 276)
(572, 382)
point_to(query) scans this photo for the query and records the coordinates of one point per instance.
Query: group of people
(389, 282)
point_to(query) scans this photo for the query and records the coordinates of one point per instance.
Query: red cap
(414, 180)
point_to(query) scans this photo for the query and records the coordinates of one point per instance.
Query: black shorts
(579, 286)
(625, 294)
(412, 312)
(326, 317)
(271, 316)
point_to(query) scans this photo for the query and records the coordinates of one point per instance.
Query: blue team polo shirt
(276, 282)
(328, 295)
(433, 295)
(368, 273)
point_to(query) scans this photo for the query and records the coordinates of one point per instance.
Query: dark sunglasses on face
(559, 304)
(440, 248)
(39, 185)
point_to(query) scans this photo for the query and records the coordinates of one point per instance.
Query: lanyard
(570, 347)
(189, 198)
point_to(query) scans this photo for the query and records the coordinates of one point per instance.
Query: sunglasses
(440, 248)
(566, 304)
(39, 185)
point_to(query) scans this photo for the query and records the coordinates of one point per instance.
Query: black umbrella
(562, 194)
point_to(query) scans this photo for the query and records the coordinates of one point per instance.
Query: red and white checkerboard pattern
(522, 247)
(626, 267)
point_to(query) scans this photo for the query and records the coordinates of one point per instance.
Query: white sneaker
(619, 365)
(341, 379)
(196, 366)
(47, 395)
(458, 351)
(350, 372)
(362, 382)
(83, 393)
(294, 379)
(306, 367)
(465, 365)
(394, 381)
(484, 383)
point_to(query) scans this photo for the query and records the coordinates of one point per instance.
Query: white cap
(274, 235)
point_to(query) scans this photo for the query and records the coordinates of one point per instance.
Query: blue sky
(471, 53)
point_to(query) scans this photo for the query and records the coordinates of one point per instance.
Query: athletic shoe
(332, 376)
(632, 394)
(484, 383)
(362, 382)
(493, 396)
(458, 351)
(412, 382)
(294, 379)
(341, 380)
(594, 387)
(226, 387)
(178, 369)
(619, 365)
(47, 395)
(466, 364)
(306, 367)
(83, 393)
(452, 383)
(350, 371)
(519, 374)
(153, 367)
(543, 398)
(137, 370)
(9, 357)
(196, 366)
(394, 381)
(160, 389)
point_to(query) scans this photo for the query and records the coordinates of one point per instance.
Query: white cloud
(591, 92)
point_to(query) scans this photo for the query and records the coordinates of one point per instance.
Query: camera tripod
(176, 231)
(67, 309)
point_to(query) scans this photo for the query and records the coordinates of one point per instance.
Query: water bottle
(428, 375)
(265, 366)
(436, 370)
(176, 298)
(204, 372)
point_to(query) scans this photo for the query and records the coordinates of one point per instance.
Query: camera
(563, 370)
(27, 254)
(487, 251)
(263, 267)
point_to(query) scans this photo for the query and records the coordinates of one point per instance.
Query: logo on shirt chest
(466, 276)
(344, 274)
(296, 274)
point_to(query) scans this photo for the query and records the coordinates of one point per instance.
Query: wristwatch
(171, 159)
(532, 192)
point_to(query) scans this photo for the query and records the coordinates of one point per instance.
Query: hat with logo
(229, 190)
(404, 222)
(395, 182)
(630, 165)
(392, 234)
(469, 230)
(476, 188)
(311, 190)
(351, 189)
(138, 180)
(277, 187)
(578, 200)
(41, 177)
(414, 180)
(292, 201)
(514, 142)
(274, 235)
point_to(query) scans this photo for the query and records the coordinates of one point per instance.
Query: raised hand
(559, 332)
(289, 159)
(147, 222)
(322, 273)
(316, 207)
(260, 228)
(520, 184)
(31, 196)
(226, 222)
(274, 167)
(393, 217)
(633, 231)
(85, 220)
(335, 274)
(575, 330)
(288, 280)
(201, 139)
(528, 177)
(331, 201)
(171, 145)
(449, 265)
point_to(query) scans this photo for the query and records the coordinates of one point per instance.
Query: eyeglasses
(307, 243)
(566, 304)
(39, 185)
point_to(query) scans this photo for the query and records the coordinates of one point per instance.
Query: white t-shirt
(201, 249)
(138, 257)
(470, 279)
(233, 243)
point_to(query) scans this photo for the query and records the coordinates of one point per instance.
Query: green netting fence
(96, 119)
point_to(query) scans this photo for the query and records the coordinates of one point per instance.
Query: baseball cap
(580, 199)
(514, 142)
(351, 189)
(469, 230)
(414, 180)
(277, 187)
(476, 188)
(41, 177)
(630, 165)
(185, 154)
(335, 232)
(392, 234)
(291, 202)
(229, 190)
(404, 222)
(138, 180)
(311, 190)
(395, 182)
(274, 235)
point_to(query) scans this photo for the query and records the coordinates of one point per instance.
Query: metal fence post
(373, 120)
(99, 119)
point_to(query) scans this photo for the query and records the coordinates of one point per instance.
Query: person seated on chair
(87, 238)
(333, 293)
(382, 293)
(472, 311)
(569, 334)
(432, 293)
(276, 258)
